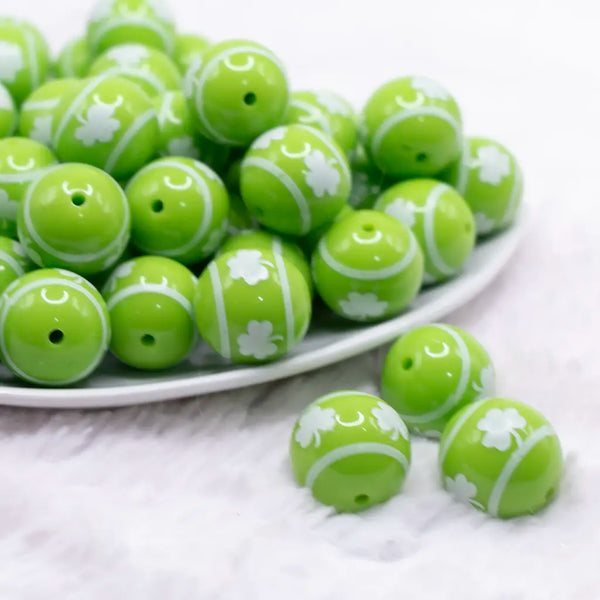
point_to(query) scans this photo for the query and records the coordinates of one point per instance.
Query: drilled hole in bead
(361, 499)
(148, 340)
(421, 157)
(407, 363)
(250, 99)
(158, 206)
(368, 227)
(78, 200)
(56, 336)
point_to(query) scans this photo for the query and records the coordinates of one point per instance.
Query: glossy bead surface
(351, 449)
(21, 162)
(23, 57)
(491, 181)
(501, 456)
(368, 266)
(179, 209)
(150, 303)
(239, 91)
(149, 68)
(294, 179)
(412, 128)
(8, 113)
(14, 262)
(433, 371)
(440, 219)
(148, 22)
(54, 327)
(107, 122)
(91, 222)
(74, 60)
(189, 49)
(309, 242)
(252, 306)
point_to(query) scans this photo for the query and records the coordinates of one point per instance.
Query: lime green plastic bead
(351, 449)
(412, 128)
(90, 223)
(150, 303)
(501, 456)
(14, 262)
(54, 327)
(440, 219)
(23, 58)
(491, 181)
(238, 92)
(325, 111)
(147, 22)
(252, 306)
(432, 372)
(8, 113)
(295, 179)
(21, 162)
(309, 242)
(151, 69)
(189, 49)
(107, 122)
(179, 209)
(368, 266)
(74, 60)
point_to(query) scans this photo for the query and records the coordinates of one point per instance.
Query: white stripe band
(34, 74)
(151, 288)
(513, 203)
(24, 177)
(150, 78)
(288, 307)
(317, 115)
(12, 263)
(124, 21)
(334, 395)
(215, 280)
(463, 169)
(429, 229)
(40, 104)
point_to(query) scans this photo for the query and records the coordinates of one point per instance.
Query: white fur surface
(194, 499)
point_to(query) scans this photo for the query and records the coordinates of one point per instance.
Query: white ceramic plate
(330, 340)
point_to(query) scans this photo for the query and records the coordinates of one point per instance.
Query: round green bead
(107, 122)
(491, 181)
(74, 60)
(189, 49)
(54, 327)
(91, 222)
(149, 68)
(501, 456)
(21, 162)
(179, 209)
(327, 112)
(150, 303)
(432, 372)
(440, 219)
(368, 266)
(309, 242)
(239, 91)
(252, 306)
(8, 113)
(115, 22)
(23, 58)
(351, 449)
(14, 262)
(412, 128)
(368, 182)
(295, 179)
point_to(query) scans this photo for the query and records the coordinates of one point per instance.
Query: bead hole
(56, 336)
(250, 99)
(421, 157)
(368, 227)
(407, 363)
(148, 340)
(78, 200)
(361, 499)
(158, 206)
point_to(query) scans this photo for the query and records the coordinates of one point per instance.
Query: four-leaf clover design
(389, 420)
(265, 140)
(500, 427)
(321, 177)
(11, 61)
(249, 265)
(363, 306)
(483, 223)
(128, 55)
(42, 129)
(258, 341)
(487, 383)
(99, 126)
(314, 420)
(402, 210)
(6, 102)
(493, 164)
(462, 490)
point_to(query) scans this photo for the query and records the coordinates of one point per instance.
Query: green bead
(240, 218)
(8, 113)
(179, 209)
(368, 182)
(412, 128)
(14, 262)
(239, 91)
(107, 122)
(264, 240)
(54, 327)
(309, 242)
(327, 112)
(115, 22)
(149, 68)
(252, 306)
(295, 179)
(440, 219)
(21, 162)
(351, 449)
(189, 49)
(432, 372)
(23, 58)
(74, 60)
(501, 456)
(150, 303)
(90, 226)
(491, 181)
(368, 266)
(39, 111)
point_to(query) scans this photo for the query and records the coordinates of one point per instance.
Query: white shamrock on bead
(124, 270)
(128, 55)
(6, 102)
(402, 210)
(500, 426)
(99, 125)
(11, 61)
(484, 224)
(462, 490)
(487, 383)
(42, 129)
(334, 104)
(273, 135)
(322, 177)
(493, 164)
(429, 87)
(363, 306)
(258, 340)
(313, 421)
(8, 208)
(183, 146)
(249, 266)
(389, 420)
(70, 275)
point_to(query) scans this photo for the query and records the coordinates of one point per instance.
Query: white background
(194, 499)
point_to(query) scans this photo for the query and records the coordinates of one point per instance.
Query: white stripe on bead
(339, 394)
(332, 147)
(150, 78)
(462, 178)
(513, 203)
(12, 263)
(151, 288)
(429, 229)
(24, 177)
(215, 280)
(288, 307)
(311, 110)
(34, 67)
(40, 104)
